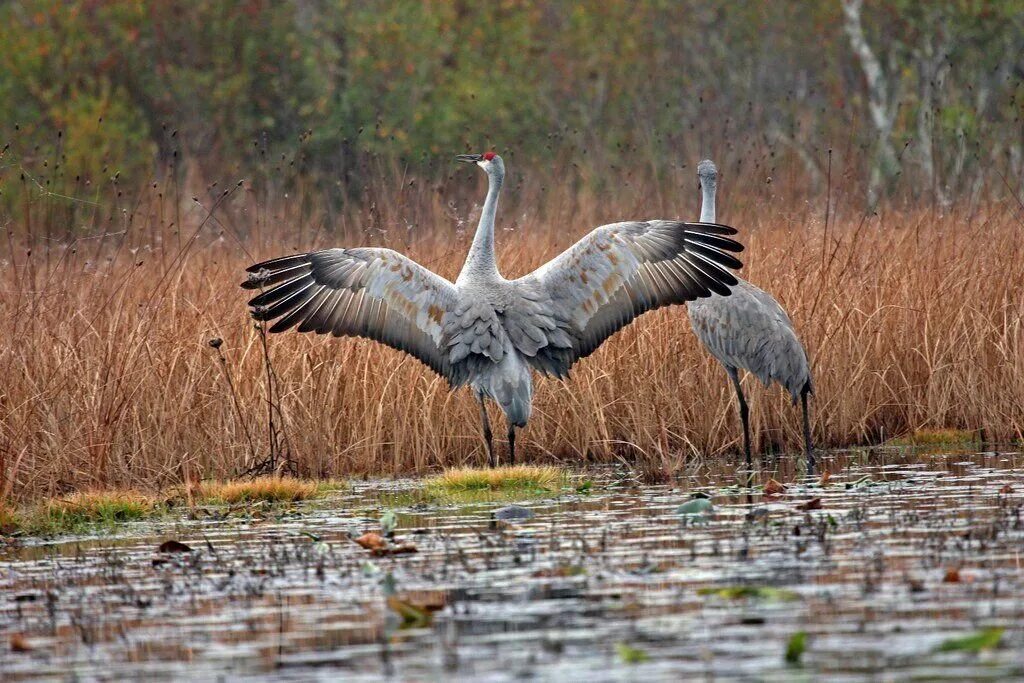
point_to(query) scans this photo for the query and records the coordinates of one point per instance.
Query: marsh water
(887, 568)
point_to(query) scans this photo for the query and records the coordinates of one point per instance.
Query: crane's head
(707, 174)
(489, 161)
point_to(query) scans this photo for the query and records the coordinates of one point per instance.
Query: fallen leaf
(812, 504)
(629, 654)
(379, 546)
(19, 643)
(796, 646)
(430, 600)
(417, 608)
(399, 549)
(371, 540)
(413, 616)
(173, 546)
(952, 576)
(773, 488)
(985, 639)
(1007, 489)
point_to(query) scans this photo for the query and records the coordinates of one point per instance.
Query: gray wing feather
(569, 306)
(374, 293)
(750, 330)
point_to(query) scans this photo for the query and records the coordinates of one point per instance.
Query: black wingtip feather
(712, 228)
(279, 263)
(711, 240)
(719, 257)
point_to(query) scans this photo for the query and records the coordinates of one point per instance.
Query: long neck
(481, 261)
(707, 205)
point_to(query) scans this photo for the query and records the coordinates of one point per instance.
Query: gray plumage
(483, 330)
(749, 330)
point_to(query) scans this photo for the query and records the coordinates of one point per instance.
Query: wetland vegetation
(897, 562)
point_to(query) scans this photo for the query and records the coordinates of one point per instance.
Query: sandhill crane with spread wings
(749, 330)
(483, 330)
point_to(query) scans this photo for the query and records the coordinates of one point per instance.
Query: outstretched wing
(613, 275)
(374, 293)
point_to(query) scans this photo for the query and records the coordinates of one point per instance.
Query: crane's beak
(469, 158)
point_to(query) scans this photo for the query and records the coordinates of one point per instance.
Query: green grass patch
(104, 509)
(472, 485)
(88, 510)
(936, 437)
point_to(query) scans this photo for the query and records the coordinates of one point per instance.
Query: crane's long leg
(808, 447)
(487, 432)
(511, 445)
(744, 418)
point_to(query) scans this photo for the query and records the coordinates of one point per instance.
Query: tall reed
(912, 317)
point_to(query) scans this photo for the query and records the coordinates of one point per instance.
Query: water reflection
(902, 550)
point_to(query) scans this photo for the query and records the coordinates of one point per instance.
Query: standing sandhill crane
(749, 330)
(486, 331)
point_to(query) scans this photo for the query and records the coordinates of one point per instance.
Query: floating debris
(173, 546)
(513, 513)
(380, 546)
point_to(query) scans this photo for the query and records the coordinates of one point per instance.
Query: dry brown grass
(10, 521)
(912, 319)
(268, 489)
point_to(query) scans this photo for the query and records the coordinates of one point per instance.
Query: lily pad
(796, 646)
(388, 523)
(985, 639)
(697, 506)
(631, 655)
